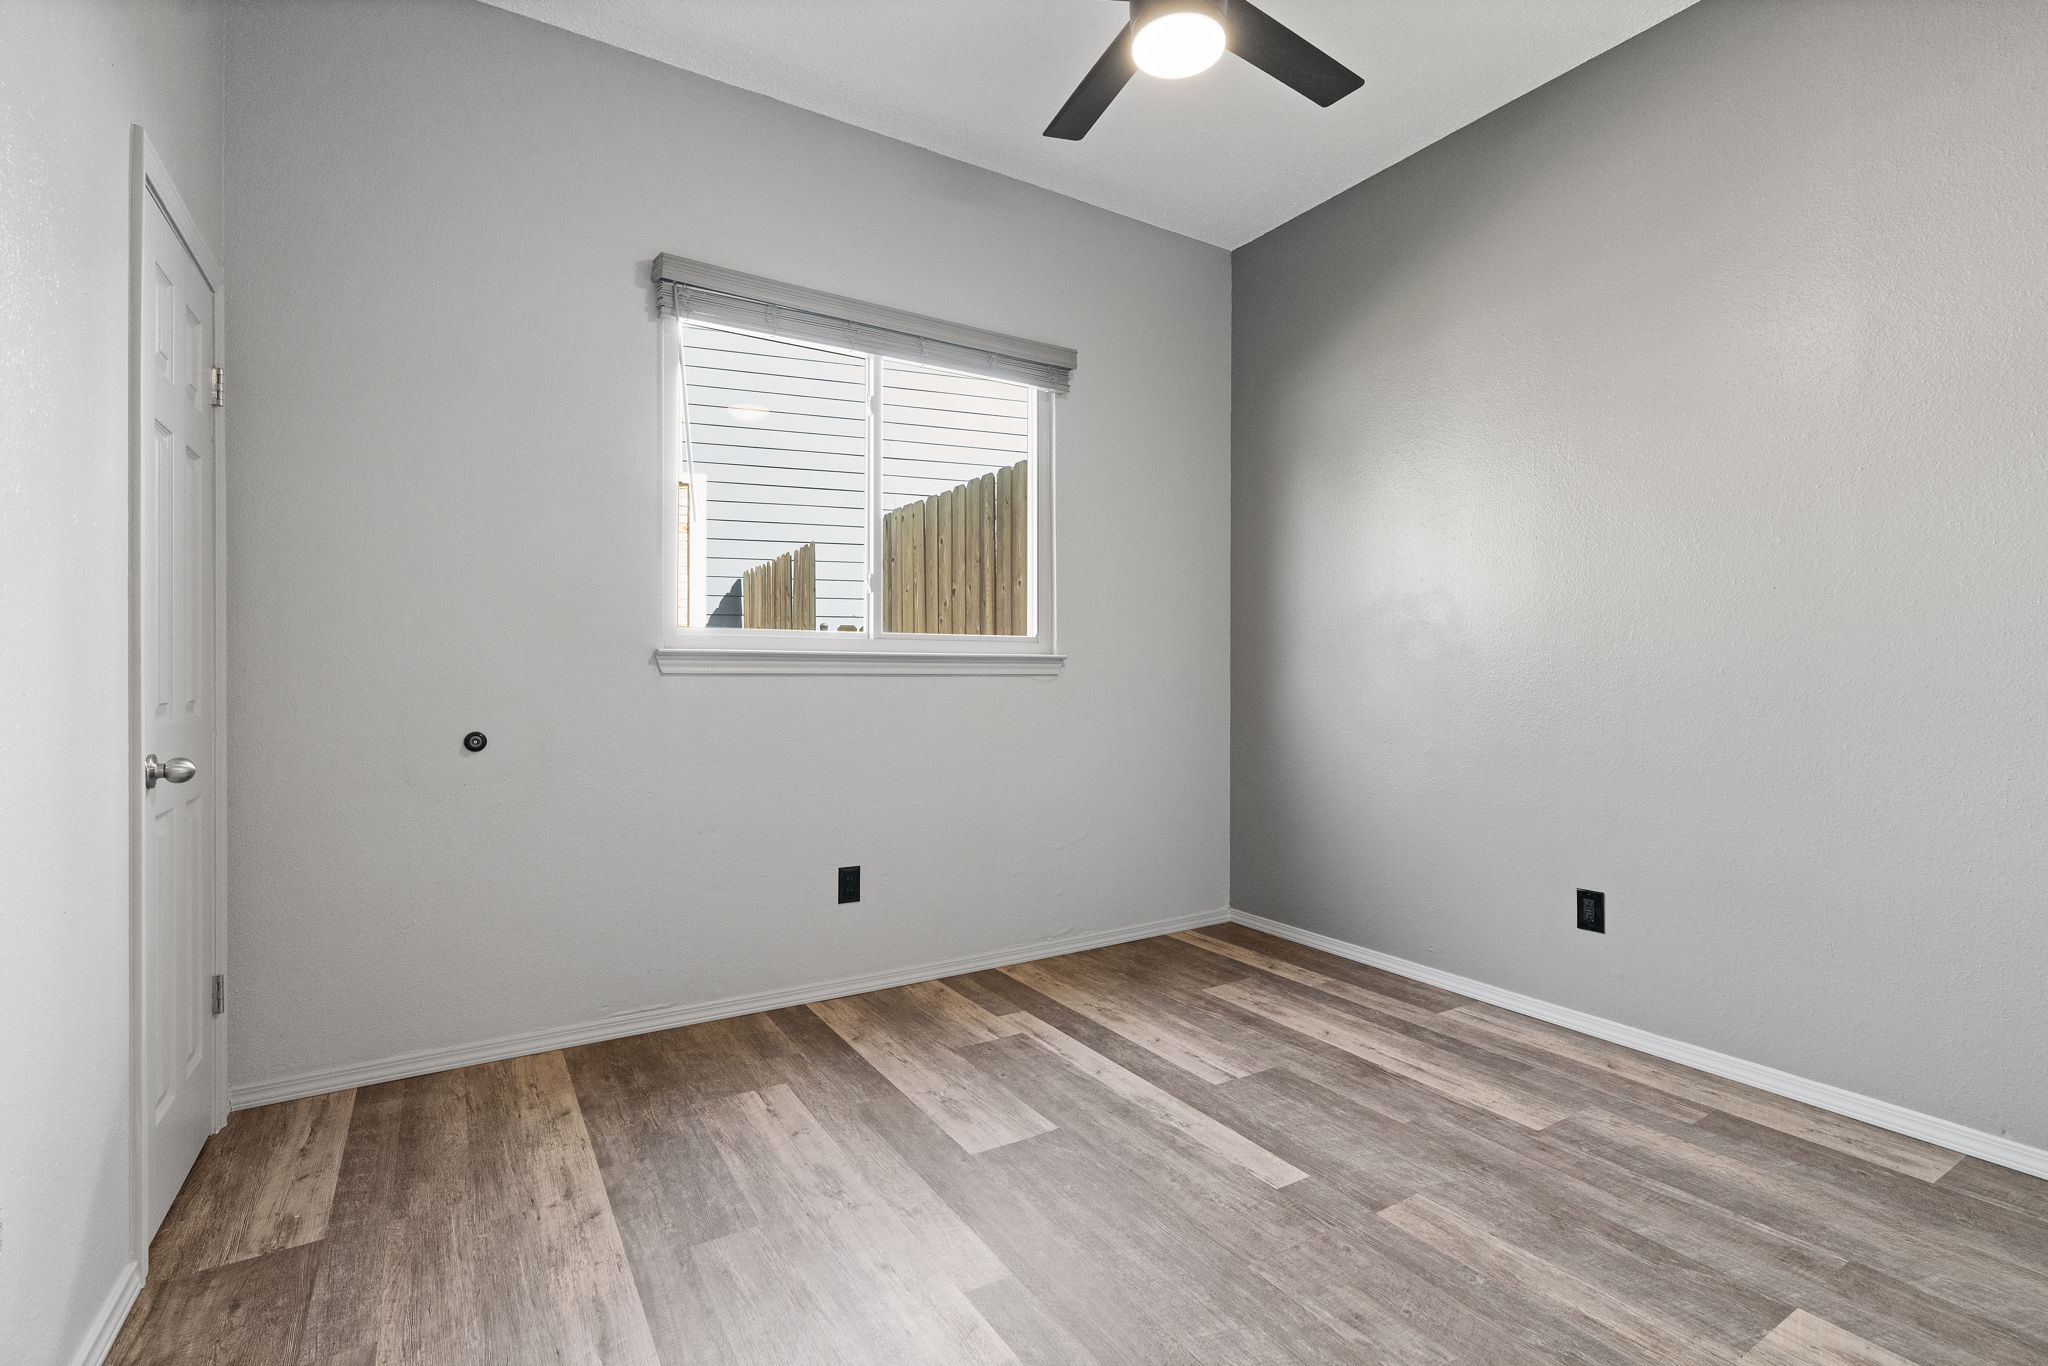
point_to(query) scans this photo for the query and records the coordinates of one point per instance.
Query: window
(851, 494)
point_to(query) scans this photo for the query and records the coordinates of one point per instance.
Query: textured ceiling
(1222, 157)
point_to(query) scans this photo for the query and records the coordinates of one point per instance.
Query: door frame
(150, 183)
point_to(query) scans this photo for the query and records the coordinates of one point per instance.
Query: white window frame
(752, 650)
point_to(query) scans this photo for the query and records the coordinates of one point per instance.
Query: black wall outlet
(1593, 911)
(849, 884)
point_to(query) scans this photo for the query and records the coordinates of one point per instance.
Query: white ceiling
(1222, 157)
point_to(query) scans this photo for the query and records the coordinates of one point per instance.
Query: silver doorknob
(170, 770)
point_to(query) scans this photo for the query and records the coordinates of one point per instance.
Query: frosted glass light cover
(1177, 45)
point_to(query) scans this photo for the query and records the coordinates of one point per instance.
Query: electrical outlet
(1593, 911)
(849, 884)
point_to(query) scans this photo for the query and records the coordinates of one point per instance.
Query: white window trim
(706, 650)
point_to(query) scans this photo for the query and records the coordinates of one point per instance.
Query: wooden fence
(959, 562)
(782, 595)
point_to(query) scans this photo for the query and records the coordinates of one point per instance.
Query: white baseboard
(322, 1080)
(1883, 1114)
(106, 1325)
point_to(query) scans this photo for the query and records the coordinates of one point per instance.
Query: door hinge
(220, 993)
(220, 387)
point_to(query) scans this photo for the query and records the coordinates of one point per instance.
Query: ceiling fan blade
(1112, 72)
(1288, 57)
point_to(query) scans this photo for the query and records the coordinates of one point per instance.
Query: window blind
(713, 294)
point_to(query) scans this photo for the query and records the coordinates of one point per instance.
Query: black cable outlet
(849, 884)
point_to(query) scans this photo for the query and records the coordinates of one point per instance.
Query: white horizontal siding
(940, 430)
(797, 476)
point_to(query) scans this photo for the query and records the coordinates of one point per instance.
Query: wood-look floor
(1213, 1147)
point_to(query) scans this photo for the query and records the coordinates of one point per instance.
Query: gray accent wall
(1643, 489)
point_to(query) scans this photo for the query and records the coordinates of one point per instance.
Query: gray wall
(1643, 489)
(75, 76)
(445, 515)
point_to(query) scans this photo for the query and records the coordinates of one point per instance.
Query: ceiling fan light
(1179, 43)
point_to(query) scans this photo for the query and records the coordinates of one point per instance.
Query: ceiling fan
(1175, 38)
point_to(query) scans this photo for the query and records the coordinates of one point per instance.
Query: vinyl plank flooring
(1992, 1231)
(248, 1310)
(1032, 1331)
(1127, 1014)
(1314, 1275)
(555, 1215)
(976, 1112)
(797, 1170)
(1395, 1053)
(471, 1223)
(1223, 1032)
(1208, 1149)
(1244, 1209)
(930, 1221)
(399, 1171)
(1570, 1079)
(1376, 979)
(755, 1310)
(1736, 1247)
(1382, 1311)
(1856, 1228)
(667, 1183)
(1308, 977)
(1443, 1289)
(951, 1020)
(262, 1184)
(1719, 1315)
(1095, 1221)
(1104, 1240)
(1639, 1334)
(1929, 1328)
(1348, 1146)
(1567, 1085)
(985, 989)
(1806, 1340)
(1162, 966)
(890, 1294)
(1862, 1141)
(1163, 1107)
(1980, 1180)
(1767, 1261)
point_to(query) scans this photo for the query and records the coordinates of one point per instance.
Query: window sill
(947, 663)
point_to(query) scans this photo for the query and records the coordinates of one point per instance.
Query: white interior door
(175, 573)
